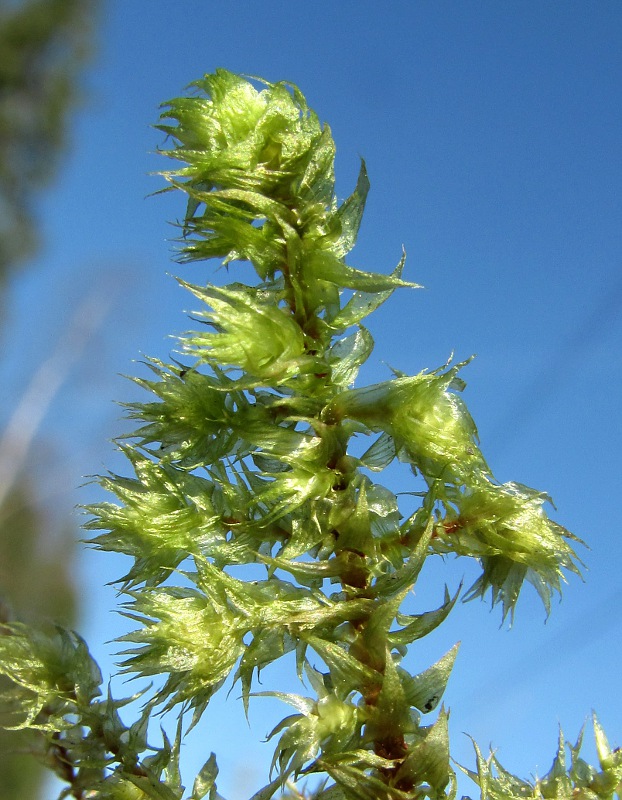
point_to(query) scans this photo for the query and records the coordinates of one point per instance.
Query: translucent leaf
(427, 762)
(268, 791)
(362, 303)
(602, 745)
(329, 268)
(380, 454)
(374, 638)
(350, 213)
(557, 783)
(167, 514)
(389, 718)
(333, 792)
(351, 770)
(346, 671)
(257, 337)
(347, 355)
(417, 626)
(317, 182)
(424, 691)
(205, 780)
(507, 528)
(403, 578)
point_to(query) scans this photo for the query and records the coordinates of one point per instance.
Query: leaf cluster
(576, 779)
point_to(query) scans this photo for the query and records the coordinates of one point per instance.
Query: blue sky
(492, 134)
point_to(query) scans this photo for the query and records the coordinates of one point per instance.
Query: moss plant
(243, 456)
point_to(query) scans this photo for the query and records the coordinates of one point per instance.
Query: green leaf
(268, 791)
(427, 762)
(557, 783)
(328, 267)
(350, 213)
(389, 719)
(373, 641)
(347, 355)
(316, 182)
(193, 638)
(424, 691)
(417, 626)
(397, 581)
(351, 770)
(380, 454)
(362, 303)
(333, 792)
(206, 779)
(347, 672)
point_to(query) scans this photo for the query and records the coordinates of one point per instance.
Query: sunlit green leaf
(424, 691)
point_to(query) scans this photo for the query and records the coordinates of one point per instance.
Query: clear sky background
(492, 134)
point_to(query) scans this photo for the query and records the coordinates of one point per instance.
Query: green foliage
(244, 456)
(42, 46)
(23, 567)
(577, 780)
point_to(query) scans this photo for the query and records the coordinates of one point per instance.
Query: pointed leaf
(363, 303)
(268, 791)
(347, 355)
(405, 577)
(427, 761)
(346, 671)
(424, 691)
(205, 780)
(380, 454)
(327, 267)
(419, 625)
(350, 212)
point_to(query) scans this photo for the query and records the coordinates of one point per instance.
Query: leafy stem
(244, 458)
